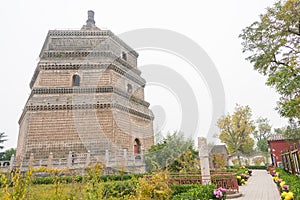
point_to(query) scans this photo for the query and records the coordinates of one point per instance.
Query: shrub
(203, 192)
(154, 187)
(93, 185)
(17, 186)
(119, 189)
(177, 189)
(256, 167)
(78, 178)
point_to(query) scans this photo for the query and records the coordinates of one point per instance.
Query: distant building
(218, 155)
(87, 95)
(277, 144)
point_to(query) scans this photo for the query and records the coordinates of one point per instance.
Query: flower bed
(288, 184)
(203, 192)
(243, 175)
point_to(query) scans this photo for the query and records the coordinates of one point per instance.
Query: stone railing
(4, 163)
(224, 179)
(7, 165)
(118, 160)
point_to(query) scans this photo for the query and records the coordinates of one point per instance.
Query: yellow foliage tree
(154, 187)
(235, 131)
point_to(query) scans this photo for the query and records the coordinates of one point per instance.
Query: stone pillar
(204, 161)
(88, 158)
(69, 161)
(50, 160)
(12, 162)
(143, 168)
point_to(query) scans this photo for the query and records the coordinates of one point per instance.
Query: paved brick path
(260, 186)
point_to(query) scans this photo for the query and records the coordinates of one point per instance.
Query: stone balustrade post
(50, 160)
(143, 154)
(88, 158)
(69, 160)
(12, 162)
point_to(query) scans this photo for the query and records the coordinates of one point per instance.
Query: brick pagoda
(87, 95)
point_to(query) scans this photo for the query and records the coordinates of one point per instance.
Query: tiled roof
(275, 137)
(219, 149)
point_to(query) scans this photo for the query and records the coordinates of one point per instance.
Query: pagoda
(87, 95)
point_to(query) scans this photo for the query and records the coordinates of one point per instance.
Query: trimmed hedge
(203, 192)
(256, 167)
(119, 189)
(77, 179)
(177, 189)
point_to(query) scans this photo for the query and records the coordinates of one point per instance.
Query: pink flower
(285, 187)
(222, 189)
(218, 193)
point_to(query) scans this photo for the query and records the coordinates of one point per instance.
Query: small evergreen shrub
(203, 192)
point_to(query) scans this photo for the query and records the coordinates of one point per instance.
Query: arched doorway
(137, 146)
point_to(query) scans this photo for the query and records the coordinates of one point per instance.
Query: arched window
(137, 146)
(76, 80)
(124, 56)
(129, 88)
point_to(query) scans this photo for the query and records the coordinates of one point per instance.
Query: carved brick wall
(73, 130)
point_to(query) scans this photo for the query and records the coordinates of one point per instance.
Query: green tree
(247, 148)
(2, 139)
(279, 131)
(236, 129)
(174, 152)
(263, 145)
(292, 131)
(262, 133)
(6, 155)
(274, 49)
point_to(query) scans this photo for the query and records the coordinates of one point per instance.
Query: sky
(213, 25)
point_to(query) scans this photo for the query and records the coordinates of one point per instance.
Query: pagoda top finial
(90, 20)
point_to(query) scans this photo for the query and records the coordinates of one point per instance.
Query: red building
(277, 144)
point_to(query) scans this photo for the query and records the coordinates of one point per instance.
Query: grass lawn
(52, 191)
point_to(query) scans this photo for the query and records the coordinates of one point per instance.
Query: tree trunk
(239, 159)
(238, 155)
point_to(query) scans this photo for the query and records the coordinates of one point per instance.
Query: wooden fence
(291, 161)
